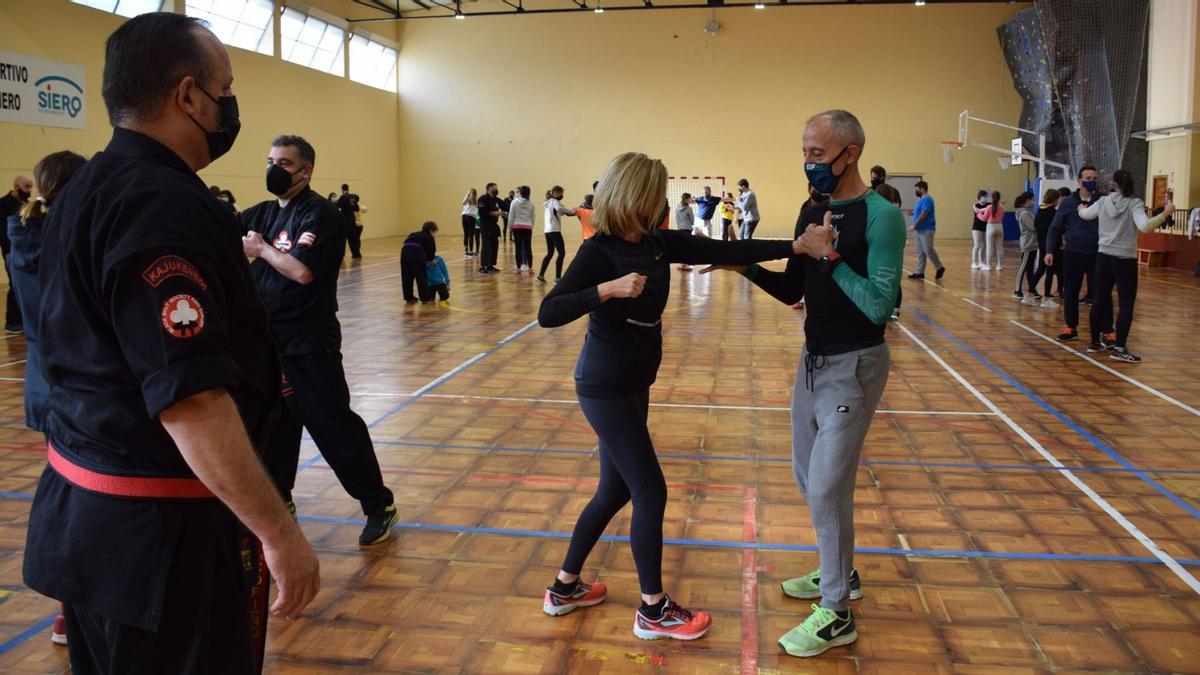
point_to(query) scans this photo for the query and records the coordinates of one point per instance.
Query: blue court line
(450, 375)
(22, 637)
(758, 546)
(782, 460)
(1086, 435)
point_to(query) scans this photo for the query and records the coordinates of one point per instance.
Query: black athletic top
(978, 224)
(1041, 223)
(623, 346)
(488, 205)
(418, 247)
(848, 306)
(303, 316)
(146, 300)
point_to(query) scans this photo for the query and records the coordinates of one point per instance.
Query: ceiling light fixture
(759, 5)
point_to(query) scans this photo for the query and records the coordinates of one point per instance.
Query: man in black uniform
(489, 226)
(147, 520)
(348, 205)
(298, 247)
(10, 204)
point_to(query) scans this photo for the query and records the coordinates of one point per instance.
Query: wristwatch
(828, 262)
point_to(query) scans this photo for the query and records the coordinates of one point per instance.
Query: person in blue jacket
(437, 278)
(1076, 241)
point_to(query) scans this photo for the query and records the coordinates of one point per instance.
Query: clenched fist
(629, 286)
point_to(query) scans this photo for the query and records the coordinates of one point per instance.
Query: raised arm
(680, 247)
(1092, 211)
(1149, 224)
(875, 295)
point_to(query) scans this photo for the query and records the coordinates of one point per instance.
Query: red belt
(127, 486)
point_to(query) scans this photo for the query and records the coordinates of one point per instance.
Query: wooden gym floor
(1021, 508)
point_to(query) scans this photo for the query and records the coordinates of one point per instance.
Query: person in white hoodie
(555, 210)
(520, 219)
(1121, 217)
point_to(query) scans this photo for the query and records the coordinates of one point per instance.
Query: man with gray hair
(849, 275)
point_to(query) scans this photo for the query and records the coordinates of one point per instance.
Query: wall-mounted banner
(41, 92)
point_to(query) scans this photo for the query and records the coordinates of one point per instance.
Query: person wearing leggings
(554, 211)
(621, 278)
(1074, 241)
(979, 229)
(1041, 225)
(470, 218)
(520, 215)
(1121, 216)
(1026, 269)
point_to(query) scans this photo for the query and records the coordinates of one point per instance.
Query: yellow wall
(1173, 95)
(550, 99)
(352, 126)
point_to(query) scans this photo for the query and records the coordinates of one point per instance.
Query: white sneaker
(999, 268)
(1049, 303)
(974, 266)
(985, 268)
(1030, 300)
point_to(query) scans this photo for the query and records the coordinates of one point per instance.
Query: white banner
(41, 92)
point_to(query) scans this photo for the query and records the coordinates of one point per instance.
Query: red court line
(522, 478)
(750, 583)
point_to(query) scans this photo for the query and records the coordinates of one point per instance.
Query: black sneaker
(940, 273)
(1109, 340)
(1067, 335)
(1018, 295)
(379, 526)
(1095, 347)
(1123, 354)
(914, 275)
(540, 280)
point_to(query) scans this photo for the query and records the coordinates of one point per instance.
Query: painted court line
(25, 635)
(750, 582)
(972, 302)
(1116, 515)
(1144, 387)
(699, 406)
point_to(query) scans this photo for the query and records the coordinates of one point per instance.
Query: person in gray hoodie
(1029, 248)
(1121, 216)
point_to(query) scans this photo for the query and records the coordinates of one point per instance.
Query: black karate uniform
(146, 300)
(9, 206)
(308, 338)
(489, 227)
(418, 251)
(348, 205)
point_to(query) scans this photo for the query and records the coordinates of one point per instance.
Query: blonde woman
(470, 218)
(621, 278)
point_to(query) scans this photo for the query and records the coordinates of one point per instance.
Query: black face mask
(221, 140)
(876, 182)
(279, 179)
(23, 195)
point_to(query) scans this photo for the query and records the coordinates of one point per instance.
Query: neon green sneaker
(822, 630)
(808, 587)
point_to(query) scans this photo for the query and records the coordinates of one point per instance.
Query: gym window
(309, 41)
(372, 63)
(128, 8)
(246, 24)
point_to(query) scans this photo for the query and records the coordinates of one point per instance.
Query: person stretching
(621, 278)
(555, 210)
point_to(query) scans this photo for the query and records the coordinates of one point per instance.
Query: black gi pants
(1075, 267)
(414, 271)
(491, 245)
(12, 315)
(207, 625)
(354, 239)
(319, 400)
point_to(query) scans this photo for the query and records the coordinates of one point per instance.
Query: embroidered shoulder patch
(307, 239)
(283, 242)
(172, 266)
(182, 316)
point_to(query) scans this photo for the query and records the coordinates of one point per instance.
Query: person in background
(1076, 241)
(748, 203)
(227, 197)
(685, 220)
(925, 226)
(554, 211)
(521, 216)
(1041, 225)
(993, 215)
(437, 276)
(1029, 248)
(51, 175)
(470, 220)
(332, 197)
(489, 228)
(1122, 216)
(347, 203)
(727, 232)
(584, 212)
(978, 229)
(504, 206)
(10, 204)
(707, 204)
(416, 255)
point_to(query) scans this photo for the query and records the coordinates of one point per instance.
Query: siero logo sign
(41, 92)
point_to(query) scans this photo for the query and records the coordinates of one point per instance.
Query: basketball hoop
(948, 150)
(1005, 162)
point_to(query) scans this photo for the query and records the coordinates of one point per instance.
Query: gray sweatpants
(833, 403)
(925, 250)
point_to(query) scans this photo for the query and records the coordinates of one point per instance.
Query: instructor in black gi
(298, 244)
(147, 521)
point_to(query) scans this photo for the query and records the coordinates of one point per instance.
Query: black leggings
(1027, 270)
(1075, 267)
(524, 238)
(468, 224)
(628, 470)
(554, 242)
(1048, 271)
(1121, 272)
